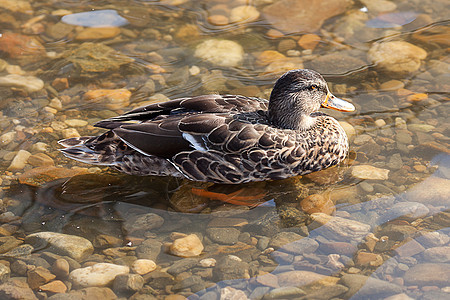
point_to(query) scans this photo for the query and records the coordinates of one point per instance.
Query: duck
(224, 139)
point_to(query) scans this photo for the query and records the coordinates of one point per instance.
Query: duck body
(226, 139)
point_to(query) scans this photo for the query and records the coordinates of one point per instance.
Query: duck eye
(314, 87)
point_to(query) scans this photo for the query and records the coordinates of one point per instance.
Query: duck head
(299, 93)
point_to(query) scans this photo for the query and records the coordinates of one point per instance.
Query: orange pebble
(404, 92)
(417, 97)
(309, 41)
(269, 56)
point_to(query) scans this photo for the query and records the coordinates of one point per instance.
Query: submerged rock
(99, 275)
(369, 172)
(74, 246)
(187, 246)
(396, 56)
(224, 53)
(428, 274)
(28, 83)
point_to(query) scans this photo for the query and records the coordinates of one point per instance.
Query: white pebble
(380, 123)
(19, 161)
(7, 138)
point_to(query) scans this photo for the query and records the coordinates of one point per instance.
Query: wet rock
(283, 238)
(301, 15)
(39, 276)
(224, 53)
(8, 243)
(364, 287)
(5, 272)
(24, 49)
(229, 293)
(97, 33)
(76, 122)
(317, 203)
(338, 248)
(61, 268)
(112, 98)
(409, 210)
(267, 280)
(369, 172)
(186, 246)
(195, 283)
(410, 248)
(7, 138)
(182, 265)
(230, 267)
(40, 160)
(433, 239)
(149, 249)
(143, 266)
(396, 232)
(16, 289)
(396, 56)
(56, 286)
(19, 161)
(339, 229)
(128, 283)
(437, 255)
(16, 6)
(73, 246)
(428, 274)
(144, 223)
(288, 292)
(28, 83)
(368, 259)
(309, 41)
(41, 175)
(227, 236)
(433, 190)
(99, 275)
(299, 247)
(93, 293)
(401, 296)
(298, 278)
(336, 63)
(244, 14)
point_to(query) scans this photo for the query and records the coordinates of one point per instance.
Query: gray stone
(128, 283)
(63, 244)
(363, 287)
(188, 283)
(437, 255)
(327, 292)
(411, 210)
(228, 236)
(299, 247)
(230, 267)
(284, 238)
(285, 292)
(149, 249)
(144, 223)
(182, 265)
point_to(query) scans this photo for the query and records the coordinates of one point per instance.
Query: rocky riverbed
(375, 227)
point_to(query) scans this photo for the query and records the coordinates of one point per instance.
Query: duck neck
(292, 120)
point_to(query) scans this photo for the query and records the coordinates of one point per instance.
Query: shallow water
(388, 234)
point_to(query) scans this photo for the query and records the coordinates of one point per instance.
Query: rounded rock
(224, 53)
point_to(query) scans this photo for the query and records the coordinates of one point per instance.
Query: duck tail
(75, 148)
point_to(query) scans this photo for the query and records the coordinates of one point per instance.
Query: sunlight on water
(374, 227)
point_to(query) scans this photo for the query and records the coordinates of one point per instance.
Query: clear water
(399, 222)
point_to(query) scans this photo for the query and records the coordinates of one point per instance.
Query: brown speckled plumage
(223, 138)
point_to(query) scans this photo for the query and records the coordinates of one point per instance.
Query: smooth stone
(207, 262)
(40, 160)
(188, 246)
(61, 268)
(340, 229)
(299, 247)
(5, 272)
(336, 63)
(392, 85)
(224, 53)
(56, 286)
(88, 293)
(128, 283)
(284, 292)
(76, 122)
(341, 248)
(349, 130)
(291, 16)
(229, 293)
(369, 172)
(73, 246)
(97, 33)
(7, 138)
(317, 203)
(195, 283)
(182, 266)
(144, 223)
(298, 278)
(227, 236)
(433, 190)
(39, 276)
(149, 249)
(396, 56)
(113, 98)
(143, 266)
(19, 161)
(365, 287)
(283, 238)
(28, 83)
(421, 127)
(70, 133)
(22, 250)
(16, 289)
(428, 274)
(437, 255)
(8, 243)
(401, 296)
(410, 210)
(433, 239)
(230, 267)
(96, 19)
(244, 14)
(100, 274)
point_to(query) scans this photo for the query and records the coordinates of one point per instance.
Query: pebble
(396, 56)
(433, 239)
(128, 283)
(286, 292)
(207, 262)
(40, 159)
(410, 210)
(28, 83)
(340, 229)
(437, 254)
(97, 33)
(7, 138)
(428, 274)
(392, 85)
(112, 98)
(188, 246)
(56, 286)
(70, 133)
(149, 249)
(143, 266)
(224, 53)
(76, 122)
(380, 123)
(368, 259)
(433, 190)
(369, 172)
(19, 161)
(229, 293)
(244, 14)
(5, 273)
(144, 223)
(230, 267)
(74, 246)
(227, 236)
(39, 276)
(61, 268)
(365, 287)
(298, 278)
(317, 203)
(218, 20)
(100, 274)
(309, 41)
(16, 289)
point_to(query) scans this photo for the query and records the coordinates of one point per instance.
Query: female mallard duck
(224, 139)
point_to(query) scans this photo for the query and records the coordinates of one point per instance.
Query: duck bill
(338, 104)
